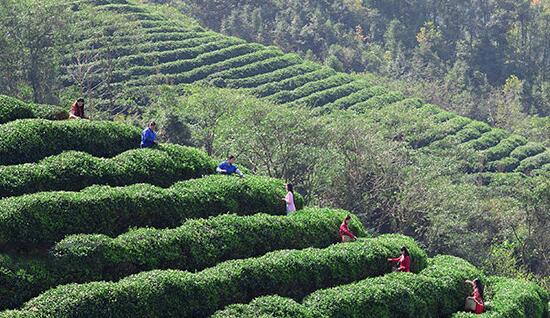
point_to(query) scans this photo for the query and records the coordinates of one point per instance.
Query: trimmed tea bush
(488, 139)
(73, 171)
(512, 298)
(12, 108)
(46, 217)
(528, 150)
(259, 67)
(534, 162)
(324, 97)
(392, 295)
(309, 88)
(378, 101)
(504, 147)
(267, 307)
(197, 244)
(172, 293)
(288, 84)
(358, 97)
(272, 77)
(28, 140)
(21, 279)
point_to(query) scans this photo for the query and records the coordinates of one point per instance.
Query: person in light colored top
(289, 199)
(228, 168)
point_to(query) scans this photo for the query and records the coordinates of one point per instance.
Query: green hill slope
(169, 51)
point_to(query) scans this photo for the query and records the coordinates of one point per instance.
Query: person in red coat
(475, 303)
(404, 260)
(77, 110)
(345, 233)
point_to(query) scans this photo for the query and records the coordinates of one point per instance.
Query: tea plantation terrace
(160, 49)
(86, 231)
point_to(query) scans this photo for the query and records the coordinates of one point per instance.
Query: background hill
(347, 140)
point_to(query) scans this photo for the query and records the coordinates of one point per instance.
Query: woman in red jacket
(404, 260)
(475, 303)
(345, 233)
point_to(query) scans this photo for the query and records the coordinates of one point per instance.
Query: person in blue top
(228, 168)
(148, 136)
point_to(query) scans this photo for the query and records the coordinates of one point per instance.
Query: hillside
(173, 52)
(197, 244)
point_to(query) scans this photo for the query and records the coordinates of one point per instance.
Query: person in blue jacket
(228, 168)
(148, 136)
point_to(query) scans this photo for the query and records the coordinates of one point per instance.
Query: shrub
(73, 171)
(172, 293)
(46, 217)
(358, 97)
(200, 73)
(473, 130)
(512, 298)
(21, 279)
(324, 97)
(12, 108)
(438, 132)
(507, 164)
(534, 162)
(309, 88)
(196, 244)
(28, 140)
(272, 77)
(528, 150)
(259, 67)
(488, 139)
(294, 82)
(504, 147)
(392, 295)
(378, 101)
(267, 307)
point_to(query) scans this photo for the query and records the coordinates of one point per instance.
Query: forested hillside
(488, 60)
(354, 141)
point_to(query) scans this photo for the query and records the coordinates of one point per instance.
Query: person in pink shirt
(345, 233)
(289, 199)
(404, 260)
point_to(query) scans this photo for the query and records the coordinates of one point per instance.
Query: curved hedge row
(282, 97)
(12, 108)
(196, 244)
(293, 82)
(267, 307)
(46, 217)
(28, 140)
(357, 97)
(378, 101)
(172, 293)
(272, 77)
(534, 162)
(323, 97)
(438, 132)
(504, 147)
(438, 291)
(488, 139)
(260, 67)
(513, 298)
(201, 72)
(73, 171)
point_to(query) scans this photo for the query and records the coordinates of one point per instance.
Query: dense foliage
(12, 109)
(46, 217)
(171, 293)
(73, 171)
(28, 140)
(196, 244)
(486, 60)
